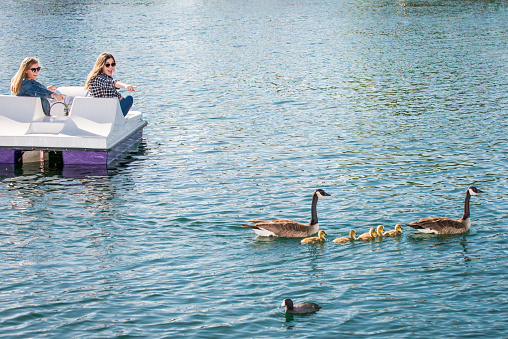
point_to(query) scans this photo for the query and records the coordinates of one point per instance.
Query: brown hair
(97, 69)
(21, 74)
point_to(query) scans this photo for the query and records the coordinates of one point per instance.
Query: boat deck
(93, 132)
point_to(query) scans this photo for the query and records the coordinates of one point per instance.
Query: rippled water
(392, 107)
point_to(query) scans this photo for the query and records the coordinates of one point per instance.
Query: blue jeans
(126, 104)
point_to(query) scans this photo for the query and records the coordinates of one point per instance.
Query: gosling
(313, 240)
(351, 237)
(368, 236)
(393, 233)
(380, 230)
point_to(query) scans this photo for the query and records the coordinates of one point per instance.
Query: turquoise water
(392, 107)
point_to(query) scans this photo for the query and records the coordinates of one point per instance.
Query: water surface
(392, 107)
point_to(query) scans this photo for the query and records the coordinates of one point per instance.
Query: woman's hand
(58, 97)
(130, 88)
(51, 88)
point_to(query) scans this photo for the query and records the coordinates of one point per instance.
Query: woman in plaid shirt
(101, 84)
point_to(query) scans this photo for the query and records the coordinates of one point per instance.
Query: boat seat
(17, 113)
(94, 116)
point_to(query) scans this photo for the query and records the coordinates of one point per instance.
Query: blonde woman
(100, 82)
(24, 83)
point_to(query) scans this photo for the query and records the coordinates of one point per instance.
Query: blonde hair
(97, 69)
(21, 74)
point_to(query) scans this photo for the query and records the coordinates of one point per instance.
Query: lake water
(392, 107)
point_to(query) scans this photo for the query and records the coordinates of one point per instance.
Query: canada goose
(393, 233)
(380, 230)
(313, 240)
(368, 236)
(351, 237)
(446, 225)
(299, 308)
(288, 228)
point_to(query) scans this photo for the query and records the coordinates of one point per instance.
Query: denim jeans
(126, 104)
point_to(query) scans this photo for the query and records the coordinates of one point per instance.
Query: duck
(440, 225)
(379, 231)
(368, 236)
(313, 240)
(299, 308)
(351, 237)
(393, 233)
(289, 228)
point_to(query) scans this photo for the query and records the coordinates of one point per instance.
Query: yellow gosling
(393, 233)
(368, 236)
(313, 240)
(351, 237)
(380, 230)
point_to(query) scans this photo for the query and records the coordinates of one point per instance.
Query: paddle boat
(93, 131)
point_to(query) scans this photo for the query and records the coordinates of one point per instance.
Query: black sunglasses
(112, 64)
(35, 69)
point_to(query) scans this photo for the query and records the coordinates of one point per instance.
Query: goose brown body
(441, 225)
(289, 228)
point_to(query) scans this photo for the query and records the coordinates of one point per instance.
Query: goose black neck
(466, 206)
(313, 211)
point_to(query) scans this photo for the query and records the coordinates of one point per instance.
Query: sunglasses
(35, 69)
(112, 64)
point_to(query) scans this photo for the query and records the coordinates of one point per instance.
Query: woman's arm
(54, 95)
(130, 88)
(34, 89)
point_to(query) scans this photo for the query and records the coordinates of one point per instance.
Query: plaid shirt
(103, 86)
